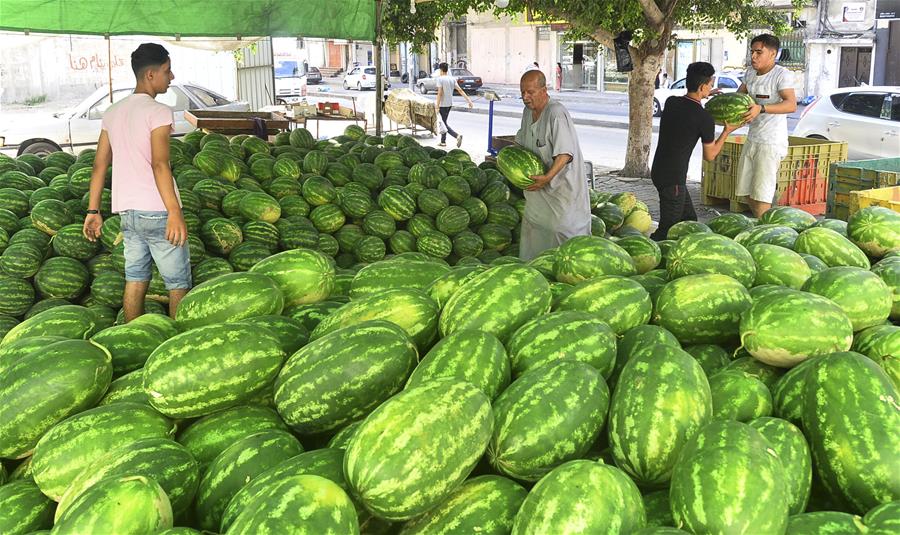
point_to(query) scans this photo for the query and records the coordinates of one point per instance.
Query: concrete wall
(67, 68)
(500, 49)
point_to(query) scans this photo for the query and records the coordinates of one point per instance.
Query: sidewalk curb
(577, 120)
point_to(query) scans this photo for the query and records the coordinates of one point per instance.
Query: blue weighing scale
(491, 97)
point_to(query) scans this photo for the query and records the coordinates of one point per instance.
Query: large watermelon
(389, 466)
(711, 253)
(102, 508)
(863, 296)
(303, 275)
(619, 301)
(518, 165)
(702, 308)
(779, 265)
(729, 108)
(586, 257)
(831, 248)
(876, 230)
(230, 297)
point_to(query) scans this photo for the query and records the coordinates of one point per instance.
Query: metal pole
(379, 68)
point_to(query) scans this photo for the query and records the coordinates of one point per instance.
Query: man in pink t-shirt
(136, 133)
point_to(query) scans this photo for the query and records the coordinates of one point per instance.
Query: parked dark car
(313, 76)
(467, 81)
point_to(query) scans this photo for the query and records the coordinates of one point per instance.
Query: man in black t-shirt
(684, 121)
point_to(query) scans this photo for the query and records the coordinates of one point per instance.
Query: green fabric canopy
(336, 19)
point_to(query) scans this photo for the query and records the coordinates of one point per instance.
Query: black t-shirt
(683, 122)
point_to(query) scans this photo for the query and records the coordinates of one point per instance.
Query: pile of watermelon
(338, 372)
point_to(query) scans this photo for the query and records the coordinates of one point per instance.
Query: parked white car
(79, 127)
(725, 82)
(290, 83)
(867, 118)
(360, 78)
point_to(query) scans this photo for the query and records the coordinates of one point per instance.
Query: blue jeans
(145, 242)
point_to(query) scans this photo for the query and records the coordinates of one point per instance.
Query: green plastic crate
(857, 176)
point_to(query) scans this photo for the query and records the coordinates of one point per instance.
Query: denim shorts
(145, 242)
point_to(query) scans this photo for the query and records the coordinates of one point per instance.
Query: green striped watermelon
(826, 328)
(77, 442)
(778, 265)
(410, 309)
(473, 356)
(256, 206)
(236, 466)
(618, 301)
(445, 286)
(209, 436)
(230, 297)
(862, 295)
(389, 471)
(571, 335)
(379, 223)
(711, 253)
(164, 460)
(875, 230)
(485, 504)
(298, 504)
(789, 443)
(434, 243)
(888, 269)
(25, 508)
(395, 273)
(730, 224)
(129, 387)
(787, 392)
(774, 234)
(16, 296)
(825, 522)
(711, 358)
(210, 368)
(644, 252)
(221, 235)
(498, 301)
(303, 275)
(518, 165)
(536, 425)
(685, 228)
(859, 467)
(129, 504)
(62, 277)
(130, 345)
(566, 501)
(397, 202)
(737, 395)
(729, 108)
(884, 517)
(586, 257)
(661, 400)
(831, 248)
(380, 348)
(788, 216)
(62, 379)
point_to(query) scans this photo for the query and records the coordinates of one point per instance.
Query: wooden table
(235, 122)
(359, 118)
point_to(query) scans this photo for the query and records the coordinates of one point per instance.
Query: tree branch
(603, 37)
(653, 14)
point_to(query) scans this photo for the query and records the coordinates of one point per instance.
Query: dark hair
(768, 40)
(148, 55)
(444, 67)
(698, 74)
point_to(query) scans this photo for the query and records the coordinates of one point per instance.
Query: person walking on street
(557, 205)
(683, 122)
(559, 75)
(446, 84)
(136, 130)
(772, 88)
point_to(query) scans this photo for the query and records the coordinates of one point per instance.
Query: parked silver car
(79, 127)
(867, 118)
(468, 82)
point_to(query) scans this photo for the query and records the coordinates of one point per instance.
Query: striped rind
(889, 271)
(792, 448)
(875, 229)
(36, 392)
(303, 275)
(726, 486)
(822, 327)
(341, 439)
(885, 516)
(473, 356)
(851, 415)
(779, 265)
(485, 505)
(774, 234)
(410, 309)
(302, 504)
(704, 308)
(25, 508)
(209, 368)
(129, 388)
(569, 334)
(549, 415)
(68, 321)
(618, 301)
(587, 257)
(326, 462)
(20, 349)
(131, 504)
(443, 288)
(567, 501)
(392, 274)
(236, 466)
(826, 523)
(787, 393)
(390, 466)
(343, 376)
(209, 436)
(170, 464)
(129, 344)
(661, 400)
(706, 252)
(863, 296)
(831, 248)
(230, 297)
(77, 442)
(737, 395)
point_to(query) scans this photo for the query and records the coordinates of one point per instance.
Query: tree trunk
(640, 110)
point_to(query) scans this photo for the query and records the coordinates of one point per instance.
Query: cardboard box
(305, 110)
(329, 108)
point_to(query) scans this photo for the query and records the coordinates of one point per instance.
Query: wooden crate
(235, 122)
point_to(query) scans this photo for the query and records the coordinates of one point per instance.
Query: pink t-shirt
(128, 124)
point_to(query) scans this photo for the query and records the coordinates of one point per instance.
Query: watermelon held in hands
(729, 108)
(518, 164)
